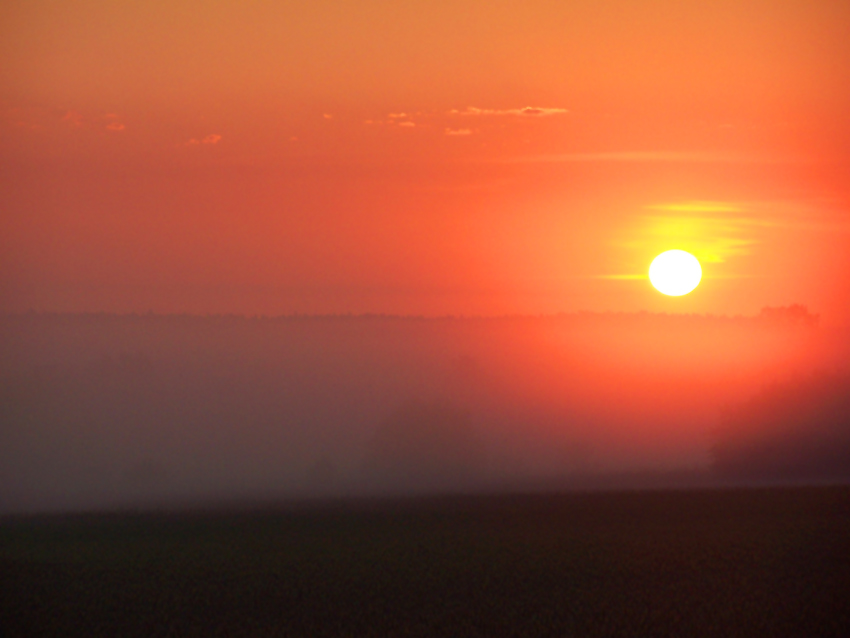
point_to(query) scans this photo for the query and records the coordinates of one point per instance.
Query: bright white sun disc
(675, 273)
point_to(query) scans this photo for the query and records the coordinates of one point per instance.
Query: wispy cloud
(74, 118)
(711, 239)
(657, 156)
(394, 120)
(526, 111)
(458, 131)
(45, 118)
(714, 231)
(697, 207)
(114, 124)
(212, 138)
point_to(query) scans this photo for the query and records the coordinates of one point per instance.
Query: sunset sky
(422, 157)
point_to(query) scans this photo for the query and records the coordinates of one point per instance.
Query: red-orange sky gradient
(422, 157)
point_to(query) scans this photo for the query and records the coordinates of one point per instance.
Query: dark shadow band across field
(745, 562)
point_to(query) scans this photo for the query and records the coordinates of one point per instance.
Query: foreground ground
(714, 563)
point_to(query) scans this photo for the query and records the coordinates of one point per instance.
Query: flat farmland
(743, 562)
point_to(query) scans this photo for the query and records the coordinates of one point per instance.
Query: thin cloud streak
(527, 111)
(211, 139)
(697, 207)
(653, 156)
(638, 276)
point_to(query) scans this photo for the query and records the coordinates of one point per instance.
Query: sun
(675, 273)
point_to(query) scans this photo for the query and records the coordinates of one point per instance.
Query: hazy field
(714, 563)
(109, 411)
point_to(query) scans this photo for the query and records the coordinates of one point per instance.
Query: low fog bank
(793, 431)
(114, 411)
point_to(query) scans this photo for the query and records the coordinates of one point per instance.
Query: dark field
(714, 563)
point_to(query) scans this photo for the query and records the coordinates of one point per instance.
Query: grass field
(772, 562)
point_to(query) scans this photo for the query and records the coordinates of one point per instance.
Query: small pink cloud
(407, 124)
(526, 111)
(458, 131)
(212, 138)
(40, 118)
(74, 118)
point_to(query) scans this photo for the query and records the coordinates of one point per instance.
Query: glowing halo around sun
(675, 273)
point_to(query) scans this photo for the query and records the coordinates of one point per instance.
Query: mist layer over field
(146, 410)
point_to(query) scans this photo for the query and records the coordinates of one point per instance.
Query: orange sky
(462, 157)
